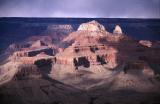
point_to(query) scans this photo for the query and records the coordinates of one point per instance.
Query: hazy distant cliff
(17, 29)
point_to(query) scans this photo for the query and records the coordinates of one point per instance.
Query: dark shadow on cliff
(23, 91)
(124, 96)
(45, 66)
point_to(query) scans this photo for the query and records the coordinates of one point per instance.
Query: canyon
(88, 66)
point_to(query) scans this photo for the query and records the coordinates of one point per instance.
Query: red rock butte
(91, 52)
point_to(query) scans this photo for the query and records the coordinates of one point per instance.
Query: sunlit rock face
(86, 50)
(91, 26)
(117, 30)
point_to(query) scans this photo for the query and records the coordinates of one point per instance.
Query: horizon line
(89, 17)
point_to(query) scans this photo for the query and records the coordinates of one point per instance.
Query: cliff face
(117, 30)
(88, 55)
(87, 48)
(99, 63)
(91, 26)
(91, 49)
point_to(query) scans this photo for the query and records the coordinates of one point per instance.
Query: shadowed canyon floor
(87, 66)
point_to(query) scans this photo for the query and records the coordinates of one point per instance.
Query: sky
(81, 8)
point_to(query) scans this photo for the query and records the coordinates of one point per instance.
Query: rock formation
(34, 52)
(117, 30)
(88, 50)
(27, 71)
(37, 44)
(145, 43)
(94, 50)
(91, 26)
(90, 64)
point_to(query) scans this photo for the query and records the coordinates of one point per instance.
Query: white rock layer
(117, 30)
(91, 26)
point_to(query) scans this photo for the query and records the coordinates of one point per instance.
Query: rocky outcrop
(38, 44)
(18, 70)
(146, 43)
(25, 59)
(79, 55)
(27, 71)
(46, 50)
(93, 52)
(34, 52)
(16, 47)
(117, 30)
(91, 26)
(90, 45)
(141, 66)
(96, 36)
